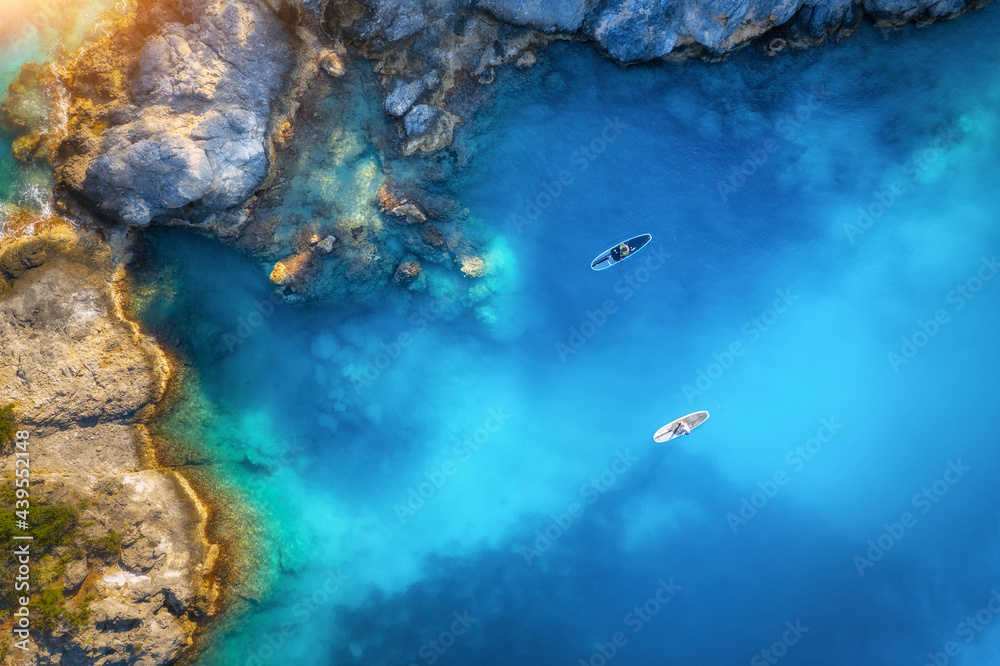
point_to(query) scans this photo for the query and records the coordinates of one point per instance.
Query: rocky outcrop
(125, 580)
(432, 53)
(189, 135)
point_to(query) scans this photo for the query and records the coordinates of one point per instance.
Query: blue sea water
(429, 488)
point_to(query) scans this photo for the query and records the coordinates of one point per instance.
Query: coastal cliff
(120, 555)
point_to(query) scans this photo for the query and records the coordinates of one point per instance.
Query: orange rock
(473, 267)
(289, 269)
(407, 272)
(24, 147)
(386, 199)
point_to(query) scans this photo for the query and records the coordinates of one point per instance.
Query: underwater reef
(257, 122)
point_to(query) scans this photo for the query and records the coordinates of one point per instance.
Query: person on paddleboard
(621, 251)
(682, 429)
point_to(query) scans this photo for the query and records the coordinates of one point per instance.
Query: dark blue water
(468, 476)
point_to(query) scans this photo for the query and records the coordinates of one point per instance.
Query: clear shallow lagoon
(549, 520)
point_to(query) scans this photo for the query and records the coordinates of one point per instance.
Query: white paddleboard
(671, 430)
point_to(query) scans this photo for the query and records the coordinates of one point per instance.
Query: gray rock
(420, 120)
(75, 574)
(403, 96)
(195, 139)
(545, 15)
(452, 36)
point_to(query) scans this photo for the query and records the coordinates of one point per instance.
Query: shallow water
(42, 31)
(427, 488)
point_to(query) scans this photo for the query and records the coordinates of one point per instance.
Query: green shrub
(49, 607)
(51, 526)
(82, 615)
(109, 545)
(8, 426)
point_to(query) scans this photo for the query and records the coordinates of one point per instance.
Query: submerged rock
(407, 272)
(466, 42)
(473, 267)
(409, 212)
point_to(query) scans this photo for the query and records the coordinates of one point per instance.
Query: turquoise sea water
(430, 489)
(38, 32)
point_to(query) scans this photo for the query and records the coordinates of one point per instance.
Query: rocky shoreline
(201, 113)
(121, 560)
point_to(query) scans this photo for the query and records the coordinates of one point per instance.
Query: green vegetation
(51, 525)
(49, 607)
(8, 426)
(109, 545)
(81, 616)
